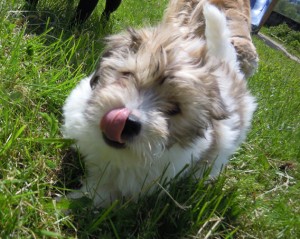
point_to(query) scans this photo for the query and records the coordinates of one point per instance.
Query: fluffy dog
(162, 98)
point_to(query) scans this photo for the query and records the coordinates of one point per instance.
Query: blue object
(258, 10)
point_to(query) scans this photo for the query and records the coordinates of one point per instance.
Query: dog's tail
(217, 34)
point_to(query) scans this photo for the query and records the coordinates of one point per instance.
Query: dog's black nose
(132, 127)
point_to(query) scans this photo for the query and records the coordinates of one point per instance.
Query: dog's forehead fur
(150, 55)
(167, 61)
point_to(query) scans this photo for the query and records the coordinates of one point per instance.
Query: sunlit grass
(40, 63)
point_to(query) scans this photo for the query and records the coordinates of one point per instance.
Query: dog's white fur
(222, 107)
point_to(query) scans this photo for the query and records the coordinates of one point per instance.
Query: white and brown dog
(164, 97)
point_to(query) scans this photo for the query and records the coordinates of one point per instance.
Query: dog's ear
(216, 107)
(136, 39)
(94, 80)
(218, 110)
(129, 40)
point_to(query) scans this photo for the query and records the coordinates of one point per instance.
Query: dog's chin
(113, 144)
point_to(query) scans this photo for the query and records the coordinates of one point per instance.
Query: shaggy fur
(185, 13)
(162, 98)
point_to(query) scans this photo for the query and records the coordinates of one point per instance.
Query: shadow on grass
(80, 44)
(71, 170)
(59, 16)
(56, 54)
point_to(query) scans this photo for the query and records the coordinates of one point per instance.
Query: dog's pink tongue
(113, 123)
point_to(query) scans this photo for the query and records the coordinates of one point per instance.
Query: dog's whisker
(161, 151)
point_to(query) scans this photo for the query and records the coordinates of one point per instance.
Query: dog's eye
(162, 80)
(126, 74)
(174, 109)
(93, 82)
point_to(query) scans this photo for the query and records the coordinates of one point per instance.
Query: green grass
(266, 175)
(286, 36)
(41, 61)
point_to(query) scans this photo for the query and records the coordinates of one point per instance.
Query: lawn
(42, 59)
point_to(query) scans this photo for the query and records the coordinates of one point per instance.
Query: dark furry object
(85, 9)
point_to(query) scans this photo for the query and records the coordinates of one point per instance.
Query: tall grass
(43, 59)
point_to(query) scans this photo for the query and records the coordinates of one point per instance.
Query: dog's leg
(110, 7)
(84, 10)
(238, 15)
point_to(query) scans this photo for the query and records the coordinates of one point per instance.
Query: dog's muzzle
(119, 126)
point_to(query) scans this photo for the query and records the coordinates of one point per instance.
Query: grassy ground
(42, 60)
(284, 35)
